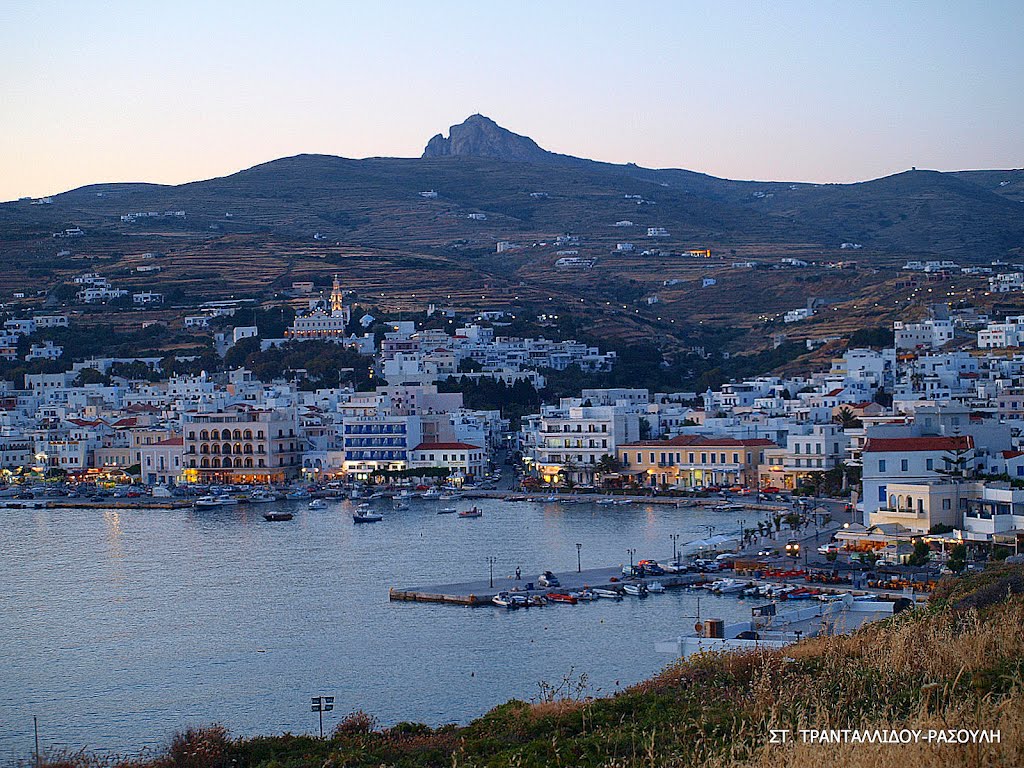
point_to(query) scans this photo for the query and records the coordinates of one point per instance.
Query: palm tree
(847, 418)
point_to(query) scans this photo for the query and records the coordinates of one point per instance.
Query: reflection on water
(120, 626)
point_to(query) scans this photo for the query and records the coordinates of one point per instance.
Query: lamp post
(321, 704)
(631, 552)
(675, 552)
(579, 562)
(490, 563)
(35, 728)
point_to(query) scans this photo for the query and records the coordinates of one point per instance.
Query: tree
(847, 419)
(957, 558)
(607, 465)
(922, 554)
(91, 376)
(959, 460)
(645, 429)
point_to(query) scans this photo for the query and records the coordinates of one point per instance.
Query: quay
(480, 592)
(105, 504)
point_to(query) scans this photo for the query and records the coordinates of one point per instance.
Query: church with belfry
(324, 320)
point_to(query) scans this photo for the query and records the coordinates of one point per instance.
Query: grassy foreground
(957, 664)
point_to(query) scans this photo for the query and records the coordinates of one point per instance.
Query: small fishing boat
(401, 505)
(366, 516)
(474, 512)
(637, 590)
(447, 511)
(561, 597)
(584, 594)
(276, 517)
(431, 493)
(298, 494)
(605, 501)
(622, 502)
(519, 601)
(317, 504)
(446, 496)
(261, 496)
(503, 599)
(537, 600)
(655, 586)
(607, 594)
(206, 502)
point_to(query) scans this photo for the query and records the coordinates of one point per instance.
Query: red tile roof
(1012, 454)
(904, 444)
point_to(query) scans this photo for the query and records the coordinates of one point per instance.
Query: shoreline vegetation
(956, 664)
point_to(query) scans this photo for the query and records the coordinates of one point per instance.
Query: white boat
(401, 505)
(620, 502)
(366, 516)
(431, 493)
(447, 511)
(655, 586)
(503, 599)
(317, 504)
(446, 496)
(261, 497)
(584, 594)
(226, 501)
(728, 586)
(605, 501)
(728, 507)
(204, 502)
(637, 590)
(608, 594)
(404, 494)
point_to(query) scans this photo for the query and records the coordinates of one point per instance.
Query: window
(929, 464)
(904, 465)
(881, 465)
(945, 504)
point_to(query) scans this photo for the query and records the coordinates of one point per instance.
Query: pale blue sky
(815, 91)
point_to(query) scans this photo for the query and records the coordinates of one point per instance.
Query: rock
(479, 136)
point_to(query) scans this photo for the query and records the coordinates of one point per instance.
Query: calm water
(119, 627)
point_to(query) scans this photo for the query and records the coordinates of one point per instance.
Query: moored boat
(275, 517)
(297, 495)
(473, 512)
(204, 502)
(655, 586)
(561, 597)
(447, 511)
(607, 594)
(366, 516)
(637, 590)
(503, 599)
(261, 496)
(317, 504)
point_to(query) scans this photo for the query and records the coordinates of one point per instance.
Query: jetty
(480, 591)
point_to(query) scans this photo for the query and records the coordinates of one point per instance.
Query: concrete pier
(480, 592)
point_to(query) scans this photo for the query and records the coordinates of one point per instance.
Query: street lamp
(490, 563)
(631, 552)
(321, 704)
(675, 555)
(579, 563)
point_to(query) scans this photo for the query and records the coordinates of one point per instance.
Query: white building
(929, 334)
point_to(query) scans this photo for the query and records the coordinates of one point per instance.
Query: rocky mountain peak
(479, 136)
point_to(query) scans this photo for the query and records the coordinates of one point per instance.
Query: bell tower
(337, 298)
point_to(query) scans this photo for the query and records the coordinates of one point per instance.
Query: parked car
(548, 579)
(766, 552)
(832, 546)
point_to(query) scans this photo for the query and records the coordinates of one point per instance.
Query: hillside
(255, 232)
(959, 664)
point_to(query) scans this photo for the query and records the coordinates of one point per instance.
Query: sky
(799, 91)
